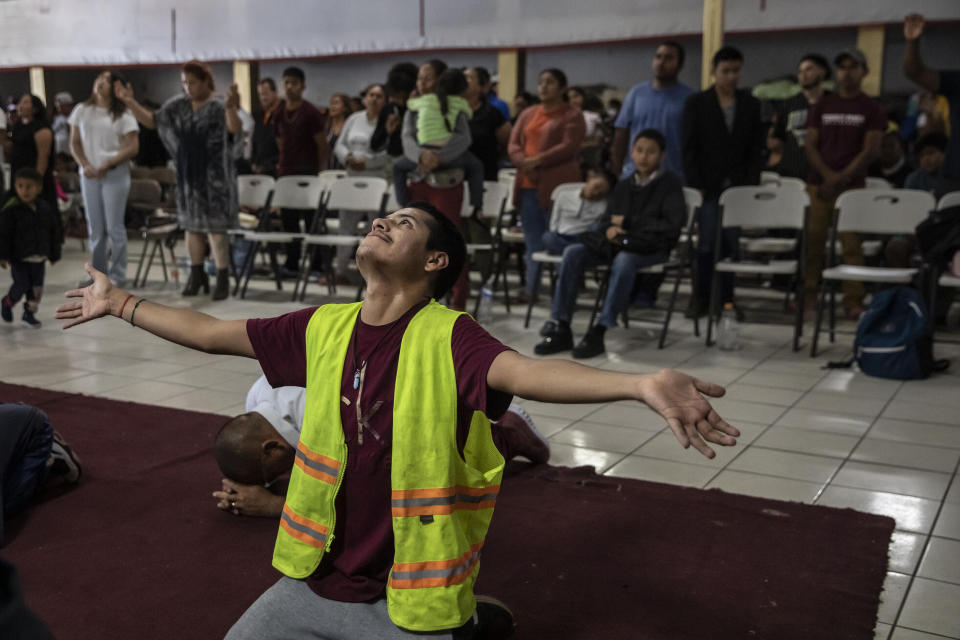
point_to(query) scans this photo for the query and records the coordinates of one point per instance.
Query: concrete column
(246, 74)
(511, 65)
(38, 86)
(712, 37)
(870, 40)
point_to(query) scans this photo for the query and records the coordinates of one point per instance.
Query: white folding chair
(360, 194)
(769, 178)
(875, 211)
(495, 196)
(289, 192)
(545, 257)
(253, 194)
(951, 199)
(761, 207)
(877, 183)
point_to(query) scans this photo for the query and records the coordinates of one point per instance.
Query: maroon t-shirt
(295, 131)
(360, 558)
(843, 124)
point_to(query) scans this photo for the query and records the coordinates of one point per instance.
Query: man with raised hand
(396, 474)
(945, 82)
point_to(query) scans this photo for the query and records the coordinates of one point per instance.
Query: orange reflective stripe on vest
(303, 529)
(318, 466)
(442, 573)
(434, 502)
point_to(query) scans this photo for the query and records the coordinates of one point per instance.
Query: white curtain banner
(117, 32)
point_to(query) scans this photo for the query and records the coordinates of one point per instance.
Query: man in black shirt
(791, 125)
(265, 153)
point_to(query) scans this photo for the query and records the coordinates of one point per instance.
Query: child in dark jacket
(645, 215)
(30, 234)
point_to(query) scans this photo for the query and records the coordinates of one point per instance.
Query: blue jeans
(534, 220)
(25, 442)
(105, 202)
(577, 258)
(556, 242)
(730, 247)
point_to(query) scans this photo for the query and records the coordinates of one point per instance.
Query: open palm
(90, 302)
(913, 26)
(679, 399)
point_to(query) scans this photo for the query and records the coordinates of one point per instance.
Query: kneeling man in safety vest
(396, 474)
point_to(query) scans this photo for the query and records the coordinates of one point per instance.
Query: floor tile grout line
(859, 441)
(772, 422)
(926, 546)
(885, 464)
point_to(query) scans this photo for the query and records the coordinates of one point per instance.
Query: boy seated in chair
(642, 225)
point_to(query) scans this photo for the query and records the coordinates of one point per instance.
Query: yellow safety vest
(441, 503)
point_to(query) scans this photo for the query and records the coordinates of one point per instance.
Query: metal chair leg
(670, 306)
(143, 258)
(821, 302)
(833, 313)
(712, 314)
(533, 296)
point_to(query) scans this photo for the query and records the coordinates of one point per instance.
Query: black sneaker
(494, 621)
(63, 462)
(548, 327)
(592, 343)
(6, 311)
(31, 319)
(560, 339)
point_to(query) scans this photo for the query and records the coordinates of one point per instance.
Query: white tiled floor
(834, 438)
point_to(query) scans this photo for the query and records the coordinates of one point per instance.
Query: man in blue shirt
(653, 105)
(491, 92)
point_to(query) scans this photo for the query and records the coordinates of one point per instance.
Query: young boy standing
(642, 225)
(30, 234)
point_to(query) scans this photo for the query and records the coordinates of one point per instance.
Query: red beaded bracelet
(123, 306)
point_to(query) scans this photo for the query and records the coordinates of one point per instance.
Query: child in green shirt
(437, 115)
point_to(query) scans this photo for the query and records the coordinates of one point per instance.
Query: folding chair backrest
(145, 191)
(164, 175)
(254, 191)
(330, 176)
(883, 210)
(769, 177)
(495, 196)
(357, 193)
(878, 183)
(693, 199)
(392, 203)
(297, 192)
(763, 207)
(951, 199)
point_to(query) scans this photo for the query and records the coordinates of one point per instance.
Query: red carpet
(138, 550)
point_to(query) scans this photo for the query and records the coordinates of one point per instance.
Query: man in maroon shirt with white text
(844, 130)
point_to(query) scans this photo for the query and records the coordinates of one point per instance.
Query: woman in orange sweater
(545, 147)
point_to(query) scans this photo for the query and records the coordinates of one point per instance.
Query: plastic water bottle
(728, 331)
(485, 310)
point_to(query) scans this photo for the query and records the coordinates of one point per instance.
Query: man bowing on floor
(385, 517)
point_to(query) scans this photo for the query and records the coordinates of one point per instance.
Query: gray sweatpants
(290, 610)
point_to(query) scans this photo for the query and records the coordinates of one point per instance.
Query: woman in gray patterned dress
(203, 135)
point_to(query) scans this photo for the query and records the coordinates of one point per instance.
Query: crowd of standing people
(429, 119)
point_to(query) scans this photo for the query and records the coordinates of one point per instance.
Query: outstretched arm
(913, 66)
(674, 395)
(182, 326)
